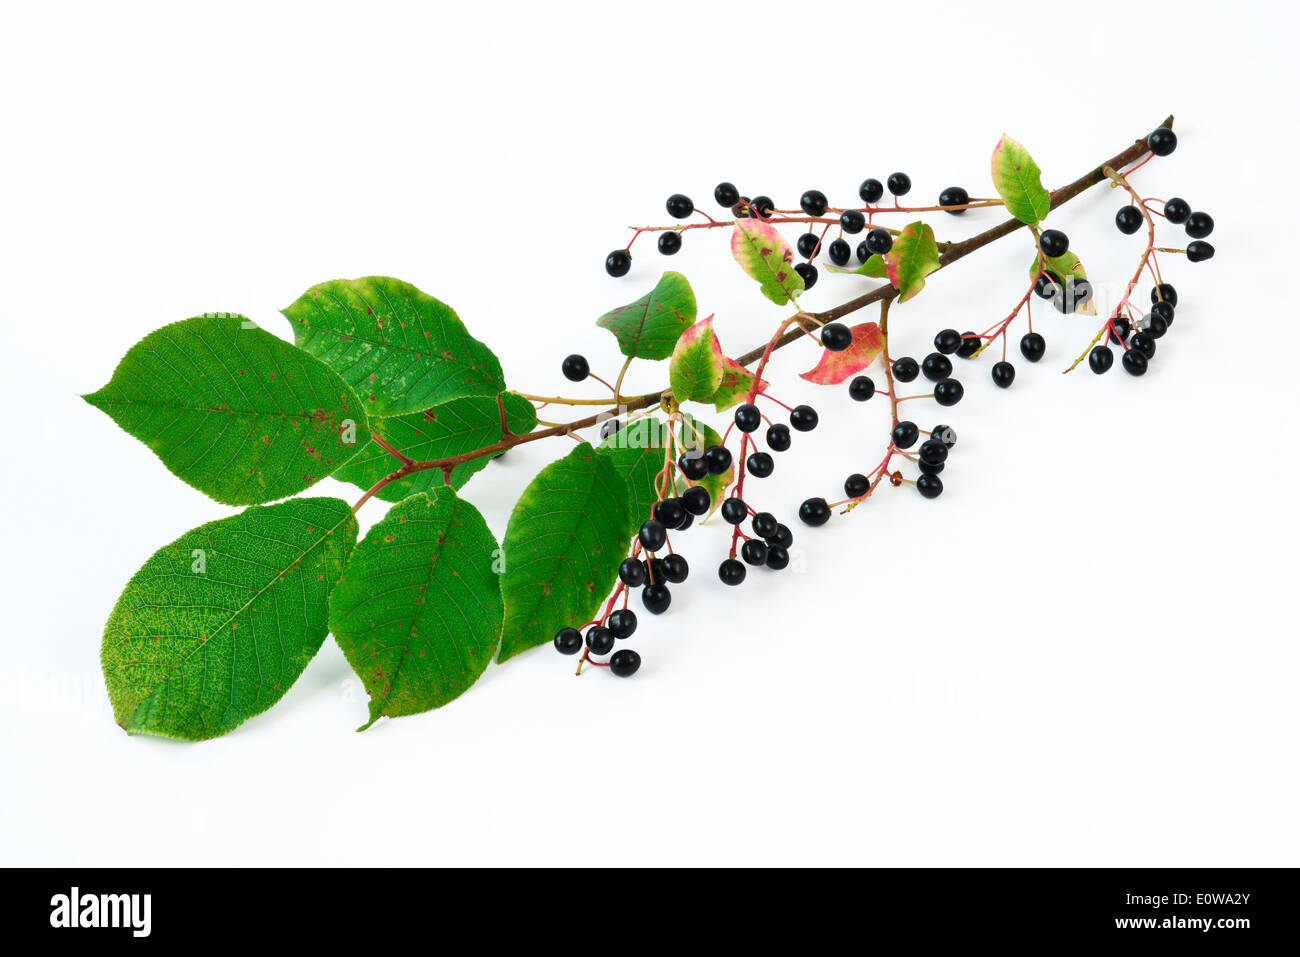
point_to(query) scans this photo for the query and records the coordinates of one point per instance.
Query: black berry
(783, 537)
(670, 242)
(1100, 359)
(954, 196)
(1154, 326)
(575, 368)
(813, 202)
(1164, 310)
(718, 459)
(568, 641)
(856, 485)
(1119, 329)
(726, 195)
(1199, 251)
(836, 336)
(696, 500)
(1199, 225)
(948, 392)
(622, 623)
(631, 572)
(1143, 343)
(1128, 220)
(1004, 373)
(760, 464)
(764, 525)
(618, 263)
(731, 572)
(838, 252)
(803, 418)
(906, 369)
(778, 437)
(1162, 141)
(808, 273)
(970, 344)
(861, 388)
(600, 640)
(754, 552)
(1032, 346)
(930, 486)
(1166, 292)
(814, 511)
(1135, 363)
(610, 427)
(624, 663)
(656, 598)
(904, 434)
(764, 206)
(1177, 210)
(680, 206)
(1053, 243)
(748, 418)
(879, 241)
(947, 341)
(777, 557)
(676, 568)
(807, 245)
(899, 183)
(734, 511)
(945, 434)
(652, 535)
(871, 190)
(936, 366)
(852, 221)
(692, 465)
(863, 252)
(670, 513)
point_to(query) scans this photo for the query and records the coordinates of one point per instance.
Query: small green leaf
(563, 544)
(735, 385)
(694, 438)
(913, 257)
(637, 453)
(418, 610)
(1019, 182)
(452, 428)
(767, 257)
(834, 367)
(649, 327)
(233, 411)
(216, 626)
(696, 368)
(874, 267)
(402, 350)
(1062, 268)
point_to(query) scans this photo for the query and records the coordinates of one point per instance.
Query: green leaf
(696, 368)
(453, 428)
(874, 267)
(1062, 268)
(565, 539)
(233, 411)
(735, 385)
(216, 626)
(637, 453)
(418, 611)
(1019, 182)
(649, 327)
(694, 438)
(402, 350)
(767, 257)
(913, 257)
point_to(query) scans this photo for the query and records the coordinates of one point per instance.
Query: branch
(804, 321)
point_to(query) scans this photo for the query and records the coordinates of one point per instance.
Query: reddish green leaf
(736, 383)
(834, 367)
(1019, 182)
(649, 327)
(696, 368)
(913, 257)
(874, 267)
(767, 257)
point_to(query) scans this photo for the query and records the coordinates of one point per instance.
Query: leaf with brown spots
(767, 257)
(563, 544)
(419, 609)
(285, 423)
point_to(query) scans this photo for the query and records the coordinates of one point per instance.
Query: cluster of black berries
(1140, 344)
(1066, 296)
(1178, 211)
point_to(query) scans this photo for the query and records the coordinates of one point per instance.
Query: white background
(1083, 653)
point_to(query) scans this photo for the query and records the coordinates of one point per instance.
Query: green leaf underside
(834, 367)
(696, 436)
(874, 267)
(402, 350)
(1019, 182)
(418, 611)
(453, 428)
(735, 385)
(767, 257)
(192, 652)
(233, 411)
(649, 327)
(563, 544)
(913, 257)
(637, 453)
(696, 368)
(1062, 268)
